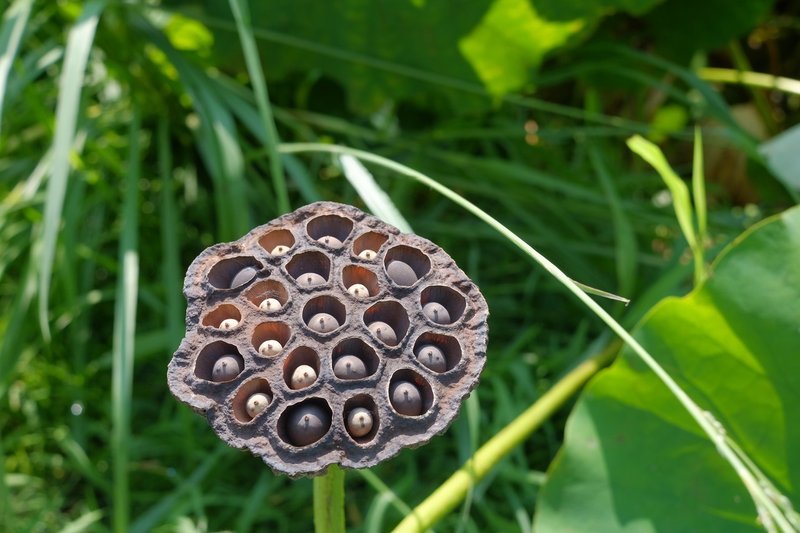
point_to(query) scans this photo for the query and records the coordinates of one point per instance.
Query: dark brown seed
(406, 398)
(432, 357)
(401, 273)
(383, 332)
(243, 276)
(307, 424)
(349, 367)
(323, 322)
(436, 312)
(225, 369)
(310, 279)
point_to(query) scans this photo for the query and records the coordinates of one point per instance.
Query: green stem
(450, 493)
(752, 79)
(329, 501)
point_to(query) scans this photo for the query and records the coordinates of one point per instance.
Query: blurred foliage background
(130, 140)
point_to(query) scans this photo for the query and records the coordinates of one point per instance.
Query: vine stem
(329, 501)
(768, 511)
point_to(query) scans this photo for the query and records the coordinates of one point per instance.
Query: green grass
(127, 146)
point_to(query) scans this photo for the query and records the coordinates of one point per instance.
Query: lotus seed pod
(225, 369)
(383, 332)
(432, 357)
(401, 273)
(310, 279)
(303, 376)
(279, 250)
(358, 290)
(367, 254)
(329, 240)
(436, 312)
(406, 398)
(270, 348)
(270, 304)
(307, 424)
(228, 323)
(243, 276)
(323, 323)
(349, 367)
(359, 422)
(256, 403)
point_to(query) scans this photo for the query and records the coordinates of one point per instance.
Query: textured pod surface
(216, 291)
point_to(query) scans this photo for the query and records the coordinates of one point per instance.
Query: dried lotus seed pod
(302, 394)
(359, 422)
(270, 304)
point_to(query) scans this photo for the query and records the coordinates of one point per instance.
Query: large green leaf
(380, 51)
(634, 460)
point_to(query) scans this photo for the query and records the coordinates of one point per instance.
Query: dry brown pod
(401, 342)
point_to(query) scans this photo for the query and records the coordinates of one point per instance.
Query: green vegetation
(135, 134)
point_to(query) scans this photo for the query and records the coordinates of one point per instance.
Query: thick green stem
(453, 491)
(329, 501)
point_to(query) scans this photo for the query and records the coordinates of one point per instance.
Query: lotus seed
(367, 254)
(406, 398)
(256, 403)
(331, 241)
(432, 357)
(383, 332)
(303, 376)
(225, 369)
(279, 250)
(349, 367)
(270, 304)
(307, 424)
(243, 276)
(401, 273)
(323, 323)
(228, 323)
(359, 422)
(358, 290)
(270, 348)
(436, 312)
(310, 279)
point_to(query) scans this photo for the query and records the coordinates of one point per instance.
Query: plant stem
(752, 79)
(450, 493)
(329, 501)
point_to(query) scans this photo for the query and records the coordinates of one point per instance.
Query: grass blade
(241, 13)
(124, 335)
(76, 56)
(16, 18)
(699, 187)
(378, 202)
